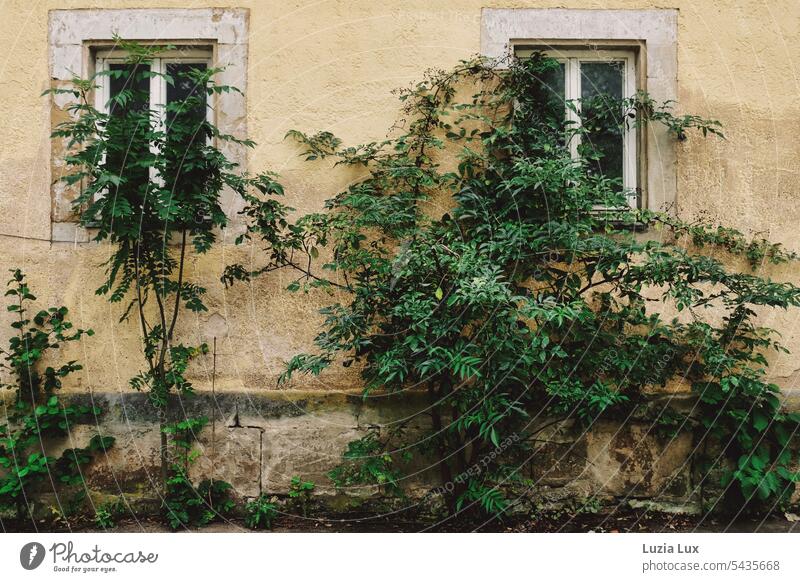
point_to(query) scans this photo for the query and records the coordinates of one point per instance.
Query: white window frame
(572, 59)
(74, 36)
(158, 84)
(654, 35)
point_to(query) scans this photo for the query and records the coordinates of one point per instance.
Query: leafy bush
(260, 513)
(152, 190)
(104, 518)
(366, 463)
(534, 297)
(37, 412)
(189, 506)
(106, 515)
(186, 505)
(300, 493)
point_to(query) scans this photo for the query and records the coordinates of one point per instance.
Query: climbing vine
(36, 413)
(534, 298)
(186, 505)
(150, 183)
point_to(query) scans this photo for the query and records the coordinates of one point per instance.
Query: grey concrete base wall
(259, 442)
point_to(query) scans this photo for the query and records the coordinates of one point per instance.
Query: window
(596, 80)
(175, 64)
(650, 35)
(164, 80)
(81, 41)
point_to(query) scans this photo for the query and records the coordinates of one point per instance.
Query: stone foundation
(258, 442)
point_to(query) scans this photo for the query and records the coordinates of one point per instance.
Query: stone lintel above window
(76, 35)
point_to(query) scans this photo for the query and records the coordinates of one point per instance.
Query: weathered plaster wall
(258, 442)
(331, 65)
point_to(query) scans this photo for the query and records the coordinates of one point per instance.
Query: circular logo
(31, 555)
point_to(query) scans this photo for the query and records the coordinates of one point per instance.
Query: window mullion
(573, 91)
(629, 145)
(155, 87)
(157, 92)
(102, 94)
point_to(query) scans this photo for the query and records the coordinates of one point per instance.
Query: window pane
(130, 78)
(186, 112)
(185, 90)
(129, 123)
(553, 80)
(601, 91)
(551, 95)
(602, 79)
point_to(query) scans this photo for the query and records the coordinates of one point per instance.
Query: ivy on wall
(534, 298)
(36, 413)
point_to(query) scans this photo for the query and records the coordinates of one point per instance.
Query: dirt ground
(617, 522)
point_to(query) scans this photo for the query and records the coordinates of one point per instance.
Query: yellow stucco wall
(331, 65)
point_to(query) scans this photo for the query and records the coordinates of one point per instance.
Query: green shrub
(532, 297)
(37, 412)
(260, 513)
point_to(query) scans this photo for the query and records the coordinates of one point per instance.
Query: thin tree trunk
(445, 474)
(164, 452)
